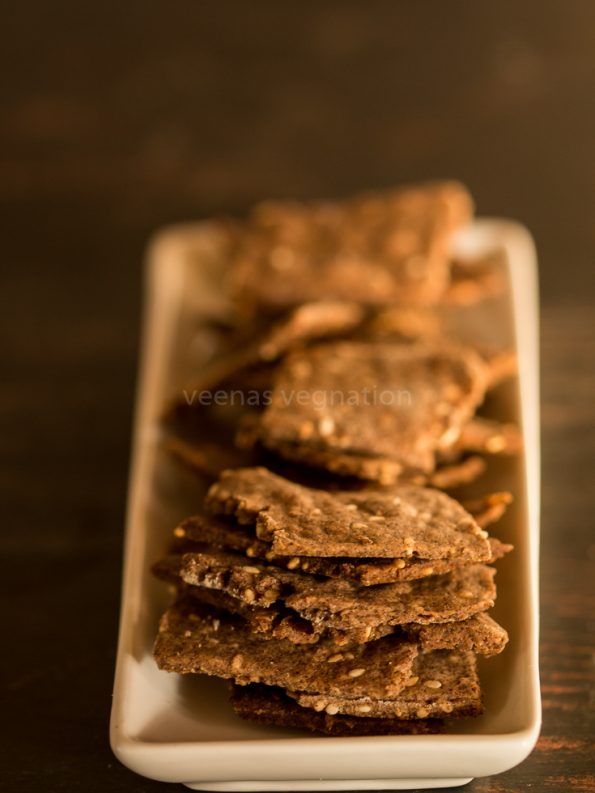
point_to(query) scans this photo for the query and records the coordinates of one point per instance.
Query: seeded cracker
(442, 684)
(223, 534)
(271, 706)
(383, 247)
(198, 639)
(401, 521)
(383, 409)
(479, 632)
(339, 604)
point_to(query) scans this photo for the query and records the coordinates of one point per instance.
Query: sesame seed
(399, 563)
(359, 526)
(356, 672)
(251, 552)
(433, 684)
(249, 595)
(332, 709)
(364, 709)
(422, 713)
(351, 506)
(326, 426)
(378, 518)
(249, 569)
(293, 563)
(179, 532)
(449, 437)
(319, 705)
(411, 681)
(333, 659)
(236, 663)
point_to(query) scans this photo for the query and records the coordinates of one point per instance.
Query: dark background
(118, 118)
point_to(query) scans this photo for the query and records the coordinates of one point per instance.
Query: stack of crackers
(330, 576)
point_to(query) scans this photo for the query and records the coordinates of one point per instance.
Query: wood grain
(117, 118)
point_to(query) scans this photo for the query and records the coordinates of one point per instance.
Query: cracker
(401, 521)
(481, 634)
(310, 321)
(443, 683)
(475, 280)
(272, 707)
(489, 509)
(206, 459)
(225, 534)
(364, 402)
(447, 477)
(222, 534)
(197, 639)
(403, 323)
(339, 604)
(370, 572)
(489, 437)
(274, 621)
(383, 247)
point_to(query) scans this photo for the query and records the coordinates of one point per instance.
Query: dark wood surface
(120, 117)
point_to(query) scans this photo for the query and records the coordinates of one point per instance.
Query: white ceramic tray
(183, 730)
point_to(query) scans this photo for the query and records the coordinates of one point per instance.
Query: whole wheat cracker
(383, 247)
(227, 535)
(275, 621)
(372, 402)
(405, 520)
(443, 683)
(272, 707)
(194, 638)
(479, 632)
(340, 604)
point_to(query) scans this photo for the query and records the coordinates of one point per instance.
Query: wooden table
(120, 117)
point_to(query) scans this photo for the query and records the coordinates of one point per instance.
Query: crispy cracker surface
(406, 520)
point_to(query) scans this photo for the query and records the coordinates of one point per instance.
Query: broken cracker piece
(272, 707)
(443, 683)
(405, 520)
(398, 404)
(384, 247)
(197, 639)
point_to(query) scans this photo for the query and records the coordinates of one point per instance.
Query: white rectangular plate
(183, 729)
